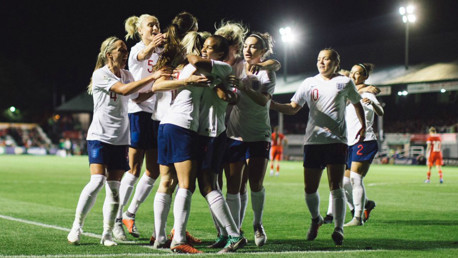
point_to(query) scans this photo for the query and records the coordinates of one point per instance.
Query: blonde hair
(267, 42)
(132, 24)
(193, 42)
(234, 33)
(106, 47)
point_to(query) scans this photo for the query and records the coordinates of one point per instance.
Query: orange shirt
(277, 141)
(435, 141)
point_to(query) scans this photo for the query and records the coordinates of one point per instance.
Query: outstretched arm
(285, 108)
(129, 88)
(362, 119)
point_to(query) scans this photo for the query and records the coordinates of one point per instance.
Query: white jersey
(249, 121)
(326, 100)
(353, 124)
(184, 111)
(110, 123)
(140, 70)
(212, 108)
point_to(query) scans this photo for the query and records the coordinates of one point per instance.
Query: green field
(38, 196)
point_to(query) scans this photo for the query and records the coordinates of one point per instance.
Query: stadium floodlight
(288, 37)
(443, 90)
(408, 16)
(403, 93)
(12, 109)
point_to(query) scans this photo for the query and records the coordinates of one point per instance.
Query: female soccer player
(143, 130)
(194, 112)
(108, 135)
(325, 146)
(276, 153)
(434, 154)
(360, 152)
(249, 131)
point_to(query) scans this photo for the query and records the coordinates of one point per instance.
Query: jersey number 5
(150, 66)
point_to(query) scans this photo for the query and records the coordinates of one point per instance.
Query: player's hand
(166, 71)
(254, 68)
(235, 82)
(197, 80)
(361, 134)
(367, 101)
(158, 40)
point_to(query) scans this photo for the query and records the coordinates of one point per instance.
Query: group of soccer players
(190, 104)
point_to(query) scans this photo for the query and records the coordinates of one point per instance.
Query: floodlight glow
(410, 9)
(286, 35)
(404, 19)
(402, 10)
(443, 90)
(402, 93)
(13, 109)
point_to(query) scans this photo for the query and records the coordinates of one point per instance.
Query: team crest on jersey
(340, 86)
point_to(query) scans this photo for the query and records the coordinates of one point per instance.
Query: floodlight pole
(285, 64)
(407, 47)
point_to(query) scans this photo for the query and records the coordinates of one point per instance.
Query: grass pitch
(38, 197)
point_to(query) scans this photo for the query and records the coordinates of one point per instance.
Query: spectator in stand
(434, 154)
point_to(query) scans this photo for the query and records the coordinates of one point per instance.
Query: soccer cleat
(118, 231)
(328, 219)
(184, 248)
(74, 236)
(152, 239)
(220, 242)
(107, 240)
(314, 226)
(129, 222)
(427, 181)
(370, 205)
(338, 236)
(260, 237)
(190, 239)
(233, 243)
(158, 245)
(356, 221)
(441, 181)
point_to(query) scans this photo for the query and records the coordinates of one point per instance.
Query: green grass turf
(412, 219)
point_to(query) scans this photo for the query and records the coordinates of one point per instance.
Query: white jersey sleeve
(110, 123)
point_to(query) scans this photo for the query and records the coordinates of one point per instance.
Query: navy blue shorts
(364, 151)
(320, 155)
(143, 131)
(112, 156)
(212, 149)
(176, 144)
(241, 151)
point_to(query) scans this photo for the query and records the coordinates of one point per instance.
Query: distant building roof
(83, 103)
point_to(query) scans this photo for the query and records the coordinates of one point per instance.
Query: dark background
(48, 48)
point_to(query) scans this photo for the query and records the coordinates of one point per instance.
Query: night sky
(49, 47)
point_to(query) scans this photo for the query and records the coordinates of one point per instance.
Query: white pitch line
(67, 230)
(202, 254)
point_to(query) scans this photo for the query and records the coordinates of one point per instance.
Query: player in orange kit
(276, 151)
(434, 154)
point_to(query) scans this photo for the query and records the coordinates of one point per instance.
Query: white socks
(111, 205)
(313, 203)
(142, 191)
(338, 207)
(243, 205)
(87, 199)
(348, 192)
(220, 210)
(181, 210)
(257, 203)
(233, 201)
(125, 191)
(359, 193)
(162, 203)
